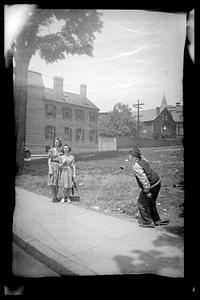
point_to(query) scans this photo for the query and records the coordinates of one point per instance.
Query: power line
(138, 116)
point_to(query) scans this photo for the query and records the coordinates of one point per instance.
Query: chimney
(83, 91)
(58, 86)
(157, 111)
(178, 107)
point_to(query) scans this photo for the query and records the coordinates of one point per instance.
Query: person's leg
(153, 210)
(53, 192)
(144, 209)
(68, 194)
(64, 195)
(56, 191)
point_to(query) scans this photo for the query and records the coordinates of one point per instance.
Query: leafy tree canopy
(76, 36)
(119, 121)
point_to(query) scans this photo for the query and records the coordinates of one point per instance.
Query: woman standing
(54, 170)
(68, 172)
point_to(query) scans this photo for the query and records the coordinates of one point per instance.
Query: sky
(137, 56)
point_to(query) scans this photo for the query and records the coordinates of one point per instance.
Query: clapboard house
(52, 112)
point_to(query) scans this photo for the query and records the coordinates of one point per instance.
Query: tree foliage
(119, 121)
(76, 36)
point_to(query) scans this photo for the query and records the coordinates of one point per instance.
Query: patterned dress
(66, 177)
(55, 156)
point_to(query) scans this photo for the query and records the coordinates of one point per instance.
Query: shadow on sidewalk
(153, 261)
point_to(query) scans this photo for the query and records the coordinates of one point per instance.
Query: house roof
(35, 78)
(177, 116)
(70, 98)
(146, 115)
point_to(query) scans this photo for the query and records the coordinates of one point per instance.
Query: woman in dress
(54, 155)
(68, 173)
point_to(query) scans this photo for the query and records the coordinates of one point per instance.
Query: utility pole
(138, 116)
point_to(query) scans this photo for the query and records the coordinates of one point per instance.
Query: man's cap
(136, 152)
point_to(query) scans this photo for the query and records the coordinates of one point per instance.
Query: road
(25, 265)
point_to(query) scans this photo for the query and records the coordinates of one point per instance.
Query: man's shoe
(162, 222)
(151, 225)
(62, 200)
(68, 200)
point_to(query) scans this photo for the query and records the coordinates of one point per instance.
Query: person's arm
(61, 163)
(73, 168)
(139, 172)
(50, 166)
(49, 161)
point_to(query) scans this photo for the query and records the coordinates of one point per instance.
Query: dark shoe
(151, 225)
(161, 222)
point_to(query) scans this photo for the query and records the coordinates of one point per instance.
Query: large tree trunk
(20, 100)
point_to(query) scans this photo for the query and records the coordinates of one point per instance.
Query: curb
(57, 262)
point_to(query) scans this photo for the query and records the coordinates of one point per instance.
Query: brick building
(54, 112)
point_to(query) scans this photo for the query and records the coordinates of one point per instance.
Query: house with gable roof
(52, 112)
(165, 121)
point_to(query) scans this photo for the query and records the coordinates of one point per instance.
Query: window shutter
(63, 112)
(46, 129)
(46, 110)
(70, 133)
(83, 135)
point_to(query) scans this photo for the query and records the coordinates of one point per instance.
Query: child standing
(67, 166)
(150, 183)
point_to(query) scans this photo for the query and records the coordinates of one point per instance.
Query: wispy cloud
(127, 85)
(129, 53)
(124, 85)
(129, 29)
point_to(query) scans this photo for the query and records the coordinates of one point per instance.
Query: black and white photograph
(99, 130)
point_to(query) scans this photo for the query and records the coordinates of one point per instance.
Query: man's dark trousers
(147, 206)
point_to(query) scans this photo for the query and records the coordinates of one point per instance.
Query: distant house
(54, 112)
(165, 121)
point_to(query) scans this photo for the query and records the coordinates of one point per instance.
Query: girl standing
(68, 173)
(54, 170)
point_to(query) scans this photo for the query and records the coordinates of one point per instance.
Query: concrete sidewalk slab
(74, 240)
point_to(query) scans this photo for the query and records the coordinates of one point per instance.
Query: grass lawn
(103, 186)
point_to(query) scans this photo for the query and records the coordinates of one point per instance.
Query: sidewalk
(72, 240)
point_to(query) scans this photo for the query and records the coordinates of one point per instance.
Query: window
(50, 111)
(67, 113)
(79, 115)
(67, 134)
(92, 117)
(79, 135)
(50, 132)
(93, 136)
